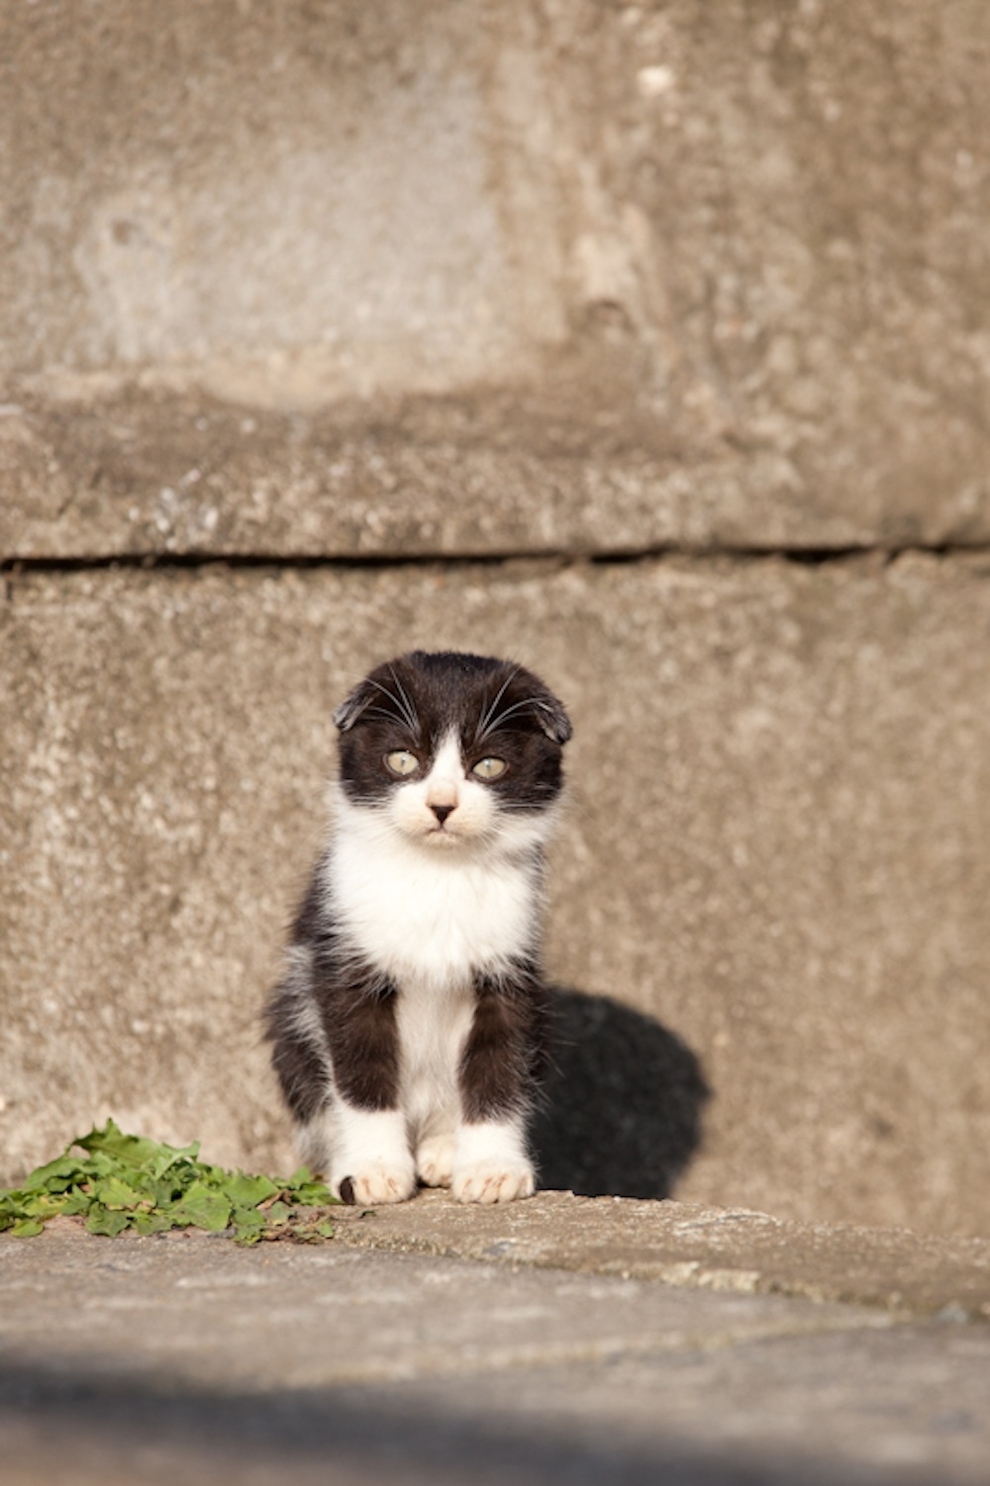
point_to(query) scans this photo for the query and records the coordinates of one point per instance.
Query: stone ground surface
(529, 1344)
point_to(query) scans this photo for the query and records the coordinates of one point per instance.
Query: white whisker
(384, 712)
(482, 729)
(503, 717)
(410, 710)
(401, 714)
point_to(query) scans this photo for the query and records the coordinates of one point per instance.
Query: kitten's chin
(444, 840)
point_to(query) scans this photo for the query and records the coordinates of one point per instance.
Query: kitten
(408, 1030)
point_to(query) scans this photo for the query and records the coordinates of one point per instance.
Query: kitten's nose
(442, 811)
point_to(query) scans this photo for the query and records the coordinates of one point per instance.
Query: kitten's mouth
(441, 835)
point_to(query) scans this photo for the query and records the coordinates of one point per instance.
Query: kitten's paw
(435, 1160)
(376, 1185)
(494, 1181)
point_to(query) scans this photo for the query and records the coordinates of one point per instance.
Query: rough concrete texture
(567, 468)
(186, 1359)
(777, 845)
(756, 249)
(428, 1313)
(730, 1250)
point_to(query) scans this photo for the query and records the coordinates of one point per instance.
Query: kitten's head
(451, 749)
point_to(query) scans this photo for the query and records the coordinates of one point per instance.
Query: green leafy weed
(130, 1182)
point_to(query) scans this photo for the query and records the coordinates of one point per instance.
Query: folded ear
(552, 718)
(350, 709)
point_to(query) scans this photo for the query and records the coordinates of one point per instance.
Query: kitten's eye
(401, 762)
(489, 768)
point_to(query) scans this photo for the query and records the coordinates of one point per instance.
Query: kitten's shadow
(621, 1111)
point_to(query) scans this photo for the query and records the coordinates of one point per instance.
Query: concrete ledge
(572, 468)
(575, 466)
(187, 1358)
(436, 1335)
(709, 1248)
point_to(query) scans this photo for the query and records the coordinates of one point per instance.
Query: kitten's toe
(435, 1160)
(376, 1185)
(494, 1181)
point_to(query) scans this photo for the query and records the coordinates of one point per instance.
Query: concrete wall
(752, 247)
(550, 285)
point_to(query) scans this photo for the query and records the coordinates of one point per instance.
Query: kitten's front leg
(370, 1160)
(497, 1078)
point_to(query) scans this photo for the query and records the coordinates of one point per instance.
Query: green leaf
(307, 1190)
(202, 1207)
(56, 1176)
(165, 1189)
(148, 1223)
(26, 1228)
(214, 1176)
(101, 1220)
(247, 1217)
(135, 1150)
(115, 1193)
(248, 1224)
(39, 1205)
(315, 1194)
(248, 1191)
(74, 1202)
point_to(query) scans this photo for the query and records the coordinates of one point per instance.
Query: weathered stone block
(777, 844)
(749, 252)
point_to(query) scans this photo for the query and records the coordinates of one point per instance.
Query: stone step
(187, 1358)
(776, 849)
(494, 474)
(643, 215)
(733, 1251)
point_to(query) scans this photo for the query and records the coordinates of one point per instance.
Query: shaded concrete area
(169, 1359)
(622, 1103)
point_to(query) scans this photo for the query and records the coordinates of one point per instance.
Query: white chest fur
(433, 1027)
(424, 916)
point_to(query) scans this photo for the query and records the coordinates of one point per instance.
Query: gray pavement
(185, 1358)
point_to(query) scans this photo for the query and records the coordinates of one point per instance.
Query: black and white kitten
(408, 1030)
